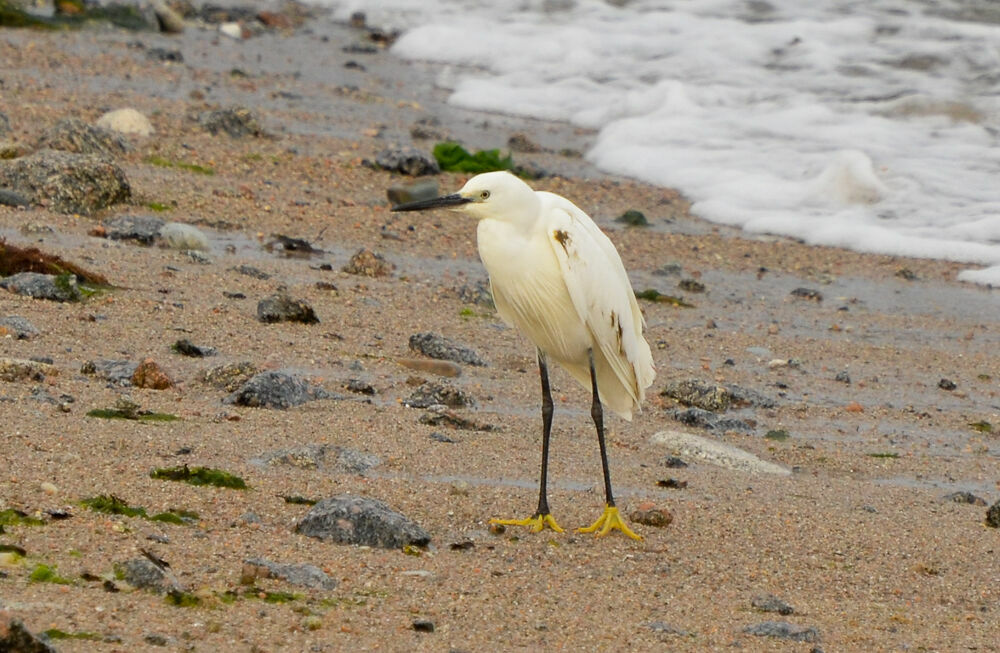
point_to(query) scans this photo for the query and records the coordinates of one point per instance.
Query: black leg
(597, 412)
(543, 371)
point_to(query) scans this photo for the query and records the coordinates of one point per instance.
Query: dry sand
(862, 546)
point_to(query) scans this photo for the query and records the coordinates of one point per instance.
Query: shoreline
(864, 562)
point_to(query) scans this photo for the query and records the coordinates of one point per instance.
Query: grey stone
(407, 160)
(145, 574)
(276, 390)
(61, 288)
(66, 181)
(708, 420)
(75, 135)
(141, 228)
(118, 372)
(185, 347)
(21, 327)
(282, 308)
(783, 630)
(304, 575)
(350, 519)
(252, 271)
(434, 394)
(235, 121)
(435, 346)
(478, 293)
(964, 497)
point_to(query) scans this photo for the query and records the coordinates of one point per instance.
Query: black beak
(422, 205)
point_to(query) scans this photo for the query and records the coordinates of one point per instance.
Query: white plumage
(559, 279)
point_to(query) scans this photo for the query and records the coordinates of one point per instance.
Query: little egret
(559, 279)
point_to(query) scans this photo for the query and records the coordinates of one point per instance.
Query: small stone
(783, 630)
(149, 374)
(170, 21)
(304, 575)
(229, 377)
(431, 394)
(144, 229)
(185, 347)
(478, 293)
(282, 308)
(652, 516)
(407, 160)
(947, 384)
(521, 142)
(237, 122)
(368, 263)
(360, 387)
(252, 271)
(350, 519)
(17, 326)
(48, 488)
(964, 497)
(843, 377)
(993, 515)
(674, 462)
(276, 390)
(126, 121)
(19, 369)
(691, 285)
(633, 218)
(177, 235)
(441, 437)
(423, 625)
(439, 347)
(807, 293)
(118, 372)
(145, 574)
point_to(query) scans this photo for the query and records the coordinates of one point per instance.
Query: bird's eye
(485, 195)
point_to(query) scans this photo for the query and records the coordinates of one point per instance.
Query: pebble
(118, 372)
(237, 122)
(19, 327)
(369, 264)
(441, 348)
(964, 497)
(149, 374)
(275, 390)
(422, 189)
(431, 394)
(304, 575)
(651, 516)
(185, 347)
(783, 630)
(177, 235)
(144, 229)
(351, 519)
(282, 308)
(407, 160)
(126, 121)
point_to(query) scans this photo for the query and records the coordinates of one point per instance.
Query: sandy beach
(858, 539)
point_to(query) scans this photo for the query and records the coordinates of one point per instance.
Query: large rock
(67, 182)
(351, 519)
(281, 307)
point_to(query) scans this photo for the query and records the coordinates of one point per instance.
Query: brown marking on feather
(562, 238)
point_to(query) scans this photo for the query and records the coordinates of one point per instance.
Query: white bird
(559, 279)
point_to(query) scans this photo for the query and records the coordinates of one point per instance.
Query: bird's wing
(601, 293)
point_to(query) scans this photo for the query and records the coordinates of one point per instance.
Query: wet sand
(857, 539)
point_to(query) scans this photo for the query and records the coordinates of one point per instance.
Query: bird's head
(496, 195)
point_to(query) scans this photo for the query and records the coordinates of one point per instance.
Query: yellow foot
(535, 523)
(609, 521)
